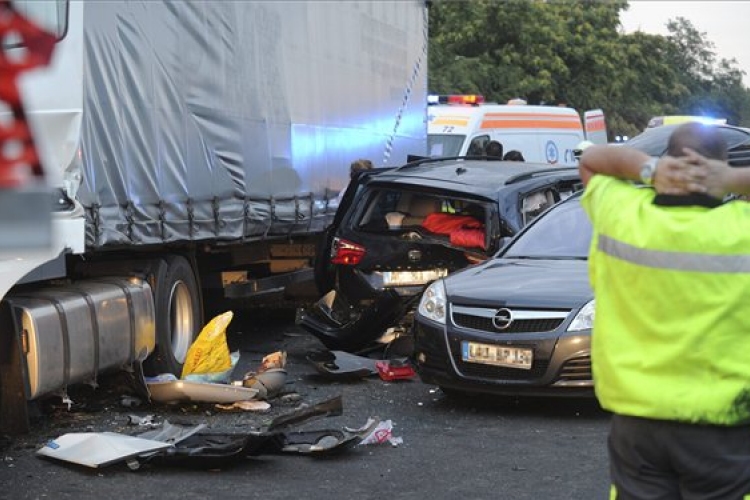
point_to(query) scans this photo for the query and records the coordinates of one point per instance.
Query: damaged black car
(398, 230)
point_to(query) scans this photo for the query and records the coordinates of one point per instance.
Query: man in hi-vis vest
(671, 338)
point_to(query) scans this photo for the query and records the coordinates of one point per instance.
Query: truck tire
(179, 315)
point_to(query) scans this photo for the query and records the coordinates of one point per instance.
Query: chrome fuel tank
(71, 333)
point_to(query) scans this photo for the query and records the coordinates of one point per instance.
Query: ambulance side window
(476, 148)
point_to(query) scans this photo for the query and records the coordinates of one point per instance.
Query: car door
(324, 275)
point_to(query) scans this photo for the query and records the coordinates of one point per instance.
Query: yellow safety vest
(671, 336)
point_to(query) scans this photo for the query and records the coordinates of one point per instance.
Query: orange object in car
(469, 238)
(441, 223)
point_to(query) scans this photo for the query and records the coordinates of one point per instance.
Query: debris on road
(146, 421)
(340, 364)
(245, 406)
(270, 377)
(343, 365)
(198, 446)
(266, 383)
(395, 369)
(170, 391)
(98, 449)
(208, 358)
(381, 433)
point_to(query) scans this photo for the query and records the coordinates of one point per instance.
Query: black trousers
(665, 460)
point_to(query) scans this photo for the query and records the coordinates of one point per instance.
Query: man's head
(705, 140)
(358, 166)
(494, 148)
(513, 155)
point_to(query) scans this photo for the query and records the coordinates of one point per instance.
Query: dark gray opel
(384, 249)
(519, 323)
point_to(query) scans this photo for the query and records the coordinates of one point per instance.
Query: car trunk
(399, 241)
(409, 239)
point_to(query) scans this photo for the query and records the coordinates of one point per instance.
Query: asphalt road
(493, 448)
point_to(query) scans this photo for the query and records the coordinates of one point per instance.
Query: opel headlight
(432, 303)
(584, 320)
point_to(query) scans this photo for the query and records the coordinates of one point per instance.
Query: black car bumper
(341, 327)
(561, 367)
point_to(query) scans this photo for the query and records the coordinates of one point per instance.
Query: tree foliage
(575, 52)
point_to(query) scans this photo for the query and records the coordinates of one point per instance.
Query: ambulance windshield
(445, 144)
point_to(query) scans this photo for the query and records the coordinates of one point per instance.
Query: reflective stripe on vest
(682, 261)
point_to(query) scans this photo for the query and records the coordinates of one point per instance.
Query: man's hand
(692, 173)
(675, 176)
(712, 177)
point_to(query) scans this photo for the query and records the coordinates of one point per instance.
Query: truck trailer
(196, 150)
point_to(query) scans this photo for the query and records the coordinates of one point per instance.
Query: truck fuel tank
(70, 333)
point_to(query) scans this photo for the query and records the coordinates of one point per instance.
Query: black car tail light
(346, 252)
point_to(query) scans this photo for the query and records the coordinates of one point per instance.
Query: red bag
(468, 238)
(442, 223)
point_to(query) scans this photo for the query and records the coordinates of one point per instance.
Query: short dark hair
(493, 148)
(704, 139)
(514, 155)
(358, 166)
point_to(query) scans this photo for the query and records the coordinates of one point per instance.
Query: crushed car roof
(480, 177)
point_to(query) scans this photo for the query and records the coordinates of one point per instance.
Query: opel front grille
(506, 320)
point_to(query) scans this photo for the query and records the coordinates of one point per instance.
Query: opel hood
(553, 283)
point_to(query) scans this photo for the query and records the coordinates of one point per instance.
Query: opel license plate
(487, 354)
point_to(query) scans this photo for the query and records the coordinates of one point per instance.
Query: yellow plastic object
(210, 352)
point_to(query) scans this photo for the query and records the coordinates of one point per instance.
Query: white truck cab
(461, 125)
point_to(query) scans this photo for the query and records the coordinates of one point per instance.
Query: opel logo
(414, 255)
(503, 319)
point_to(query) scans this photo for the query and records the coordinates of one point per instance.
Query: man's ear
(585, 173)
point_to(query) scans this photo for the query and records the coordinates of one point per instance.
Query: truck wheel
(179, 316)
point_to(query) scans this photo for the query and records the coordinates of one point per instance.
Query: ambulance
(461, 125)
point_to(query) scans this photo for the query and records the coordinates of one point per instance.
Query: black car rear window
(409, 209)
(563, 232)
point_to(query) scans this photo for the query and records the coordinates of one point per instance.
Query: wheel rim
(181, 320)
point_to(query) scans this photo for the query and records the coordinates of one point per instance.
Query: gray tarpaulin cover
(238, 120)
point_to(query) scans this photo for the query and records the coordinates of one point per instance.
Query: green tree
(714, 86)
(574, 52)
(543, 51)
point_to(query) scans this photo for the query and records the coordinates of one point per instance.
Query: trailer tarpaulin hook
(191, 217)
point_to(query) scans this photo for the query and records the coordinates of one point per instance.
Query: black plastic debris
(333, 407)
(201, 448)
(340, 364)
